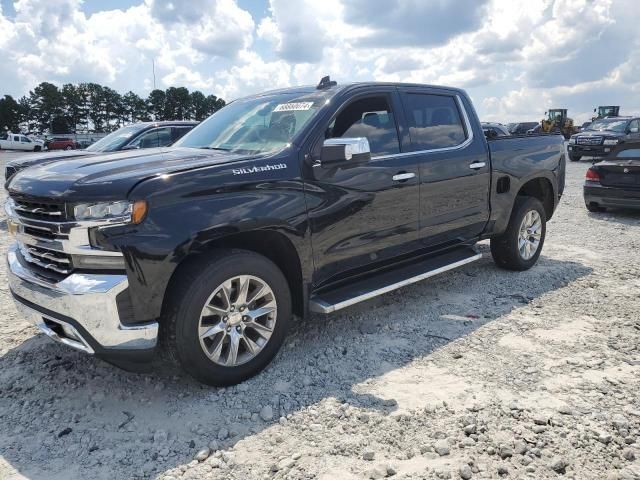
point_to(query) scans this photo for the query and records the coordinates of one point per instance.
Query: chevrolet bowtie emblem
(626, 170)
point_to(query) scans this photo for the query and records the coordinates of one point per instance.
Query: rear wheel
(228, 317)
(519, 247)
(68, 147)
(575, 158)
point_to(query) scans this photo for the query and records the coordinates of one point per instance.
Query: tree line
(94, 108)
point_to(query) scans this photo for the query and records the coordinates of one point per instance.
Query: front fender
(188, 213)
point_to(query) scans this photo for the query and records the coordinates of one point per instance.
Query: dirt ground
(478, 373)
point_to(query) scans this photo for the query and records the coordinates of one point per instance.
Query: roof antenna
(326, 82)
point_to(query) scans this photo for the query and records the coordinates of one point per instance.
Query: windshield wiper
(216, 148)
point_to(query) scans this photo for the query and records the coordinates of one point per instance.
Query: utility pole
(153, 69)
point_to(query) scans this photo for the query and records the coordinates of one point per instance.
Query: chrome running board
(361, 290)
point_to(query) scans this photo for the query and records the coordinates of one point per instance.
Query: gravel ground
(478, 373)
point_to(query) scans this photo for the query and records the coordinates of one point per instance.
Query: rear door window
(434, 121)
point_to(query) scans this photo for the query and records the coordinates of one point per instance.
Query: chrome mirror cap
(352, 146)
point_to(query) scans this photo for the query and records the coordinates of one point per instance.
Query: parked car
(535, 130)
(492, 130)
(131, 137)
(602, 136)
(17, 141)
(521, 128)
(296, 200)
(615, 181)
(60, 143)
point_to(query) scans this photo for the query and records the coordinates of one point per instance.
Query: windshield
(257, 124)
(115, 140)
(613, 125)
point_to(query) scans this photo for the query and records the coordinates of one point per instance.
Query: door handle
(403, 177)
(477, 165)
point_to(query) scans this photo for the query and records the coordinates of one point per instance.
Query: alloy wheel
(237, 320)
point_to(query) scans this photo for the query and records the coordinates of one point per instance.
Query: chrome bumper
(79, 311)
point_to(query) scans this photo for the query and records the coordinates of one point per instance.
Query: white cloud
(516, 58)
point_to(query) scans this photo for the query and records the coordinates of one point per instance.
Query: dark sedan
(602, 136)
(615, 181)
(138, 135)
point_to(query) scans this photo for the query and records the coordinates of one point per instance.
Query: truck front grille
(589, 140)
(52, 260)
(51, 212)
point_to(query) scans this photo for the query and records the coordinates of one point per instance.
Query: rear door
(363, 214)
(455, 173)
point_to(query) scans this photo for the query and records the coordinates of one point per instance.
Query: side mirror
(130, 147)
(338, 150)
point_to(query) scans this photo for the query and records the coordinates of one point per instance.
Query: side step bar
(361, 290)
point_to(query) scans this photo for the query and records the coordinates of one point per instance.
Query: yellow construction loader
(606, 111)
(558, 122)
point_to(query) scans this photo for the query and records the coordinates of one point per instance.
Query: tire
(595, 208)
(575, 158)
(505, 248)
(37, 148)
(195, 288)
(68, 147)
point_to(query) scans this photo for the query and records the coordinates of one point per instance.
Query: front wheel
(228, 317)
(68, 147)
(37, 148)
(519, 247)
(575, 158)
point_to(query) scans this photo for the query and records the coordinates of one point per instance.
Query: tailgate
(620, 174)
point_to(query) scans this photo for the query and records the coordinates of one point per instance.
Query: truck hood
(600, 133)
(28, 160)
(111, 175)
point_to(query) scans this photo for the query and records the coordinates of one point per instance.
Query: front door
(362, 214)
(455, 174)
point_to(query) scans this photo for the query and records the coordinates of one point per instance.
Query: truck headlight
(121, 211)
(611, 141)
(573, 140)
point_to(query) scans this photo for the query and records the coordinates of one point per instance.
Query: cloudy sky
(516, 58)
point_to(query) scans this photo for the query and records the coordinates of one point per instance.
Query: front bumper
(81, 311)
(590, 150)
(612, 197)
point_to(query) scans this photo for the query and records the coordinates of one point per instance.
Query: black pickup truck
(300, 200)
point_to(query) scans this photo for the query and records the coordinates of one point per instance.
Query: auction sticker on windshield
(290, 107)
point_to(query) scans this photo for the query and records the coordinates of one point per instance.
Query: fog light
(98, 262)
(606, 150)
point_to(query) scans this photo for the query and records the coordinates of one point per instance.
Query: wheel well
(273, 245)
(541, 189)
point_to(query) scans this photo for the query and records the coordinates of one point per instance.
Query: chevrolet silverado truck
(307, 199)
